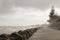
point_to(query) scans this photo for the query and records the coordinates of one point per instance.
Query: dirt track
(46, 33)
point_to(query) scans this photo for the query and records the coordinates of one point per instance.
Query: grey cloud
(6, 5)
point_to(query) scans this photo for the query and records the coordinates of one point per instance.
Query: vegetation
(54, 21)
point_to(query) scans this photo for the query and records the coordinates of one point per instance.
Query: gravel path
(46, 33)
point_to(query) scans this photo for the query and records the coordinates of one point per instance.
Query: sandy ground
(46, 33)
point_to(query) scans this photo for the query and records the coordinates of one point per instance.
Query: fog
(26, 12)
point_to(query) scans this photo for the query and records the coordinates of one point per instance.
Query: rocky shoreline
(20, 35)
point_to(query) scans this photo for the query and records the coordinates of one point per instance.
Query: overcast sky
(25, 12)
